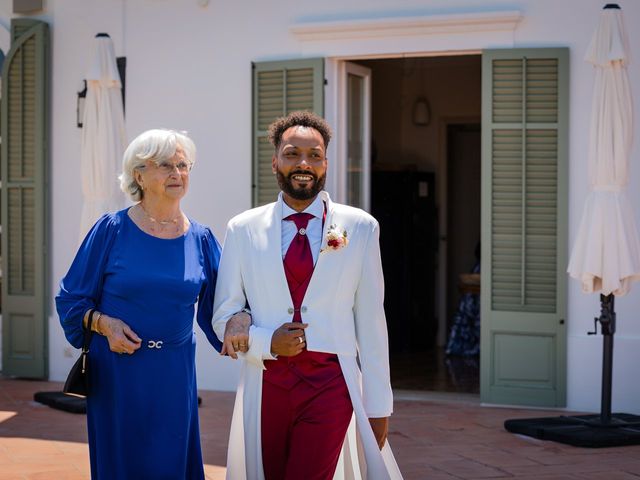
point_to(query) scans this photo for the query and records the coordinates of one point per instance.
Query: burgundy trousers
(303, 429)
(306, 407)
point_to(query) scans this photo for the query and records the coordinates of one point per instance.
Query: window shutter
(523, 300)
(280, 88)
(23, 169)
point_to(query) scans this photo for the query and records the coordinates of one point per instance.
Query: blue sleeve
(211, 253)
(81, 287)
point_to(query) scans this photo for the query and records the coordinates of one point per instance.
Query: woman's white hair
(156, 145)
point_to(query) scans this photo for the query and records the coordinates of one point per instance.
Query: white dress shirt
(314, 227)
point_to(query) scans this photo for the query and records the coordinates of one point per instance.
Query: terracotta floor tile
(214, 472)
(571, 468)
(82, 466)
(549, 477)
(59, 476)
(30, 468)
(630, 467)
(428, 474)
(610, 476)
(433, 440)
(499, 459)
(469, 469)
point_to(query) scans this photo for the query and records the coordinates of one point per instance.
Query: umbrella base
(67, 403)
(62, 401)
(581, 430)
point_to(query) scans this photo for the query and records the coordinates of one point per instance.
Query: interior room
(425, 192)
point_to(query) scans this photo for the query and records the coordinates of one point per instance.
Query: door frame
(343, 139)
(335, 108)
(442, 197)
(337, 170)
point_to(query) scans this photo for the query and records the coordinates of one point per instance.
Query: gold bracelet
(96, 321)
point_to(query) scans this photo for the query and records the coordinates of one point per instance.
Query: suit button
(290, 310)
(303, 309)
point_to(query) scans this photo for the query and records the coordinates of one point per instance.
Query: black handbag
(77, 383)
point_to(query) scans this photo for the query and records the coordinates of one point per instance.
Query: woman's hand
(121, 338)
(236, 335)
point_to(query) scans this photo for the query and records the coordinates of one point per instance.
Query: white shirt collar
(316, 208)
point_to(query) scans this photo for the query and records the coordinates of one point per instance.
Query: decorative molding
(408, 26)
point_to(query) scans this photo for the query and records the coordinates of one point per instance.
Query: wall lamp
(82, 95)
(421, 114)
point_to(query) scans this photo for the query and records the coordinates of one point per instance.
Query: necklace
(161, 223)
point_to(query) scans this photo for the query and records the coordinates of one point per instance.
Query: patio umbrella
(606, 254)
(103, 135)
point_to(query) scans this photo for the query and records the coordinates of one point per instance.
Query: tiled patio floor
(433, 440)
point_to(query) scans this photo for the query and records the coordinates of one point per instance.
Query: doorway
(425, 192)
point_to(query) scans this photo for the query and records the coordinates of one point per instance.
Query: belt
(169, 342)
(155, 344)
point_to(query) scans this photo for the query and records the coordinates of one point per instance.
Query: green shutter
(280, 88)
(23, 168)
(524, 226)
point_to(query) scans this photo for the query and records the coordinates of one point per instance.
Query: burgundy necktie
(316, 368)
(298, 262)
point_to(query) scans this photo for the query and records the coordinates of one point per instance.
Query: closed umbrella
(606, 254)
(103, 135)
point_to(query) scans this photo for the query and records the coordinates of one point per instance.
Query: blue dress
(464, 338)
(142, 412)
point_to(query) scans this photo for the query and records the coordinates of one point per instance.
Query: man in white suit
(316, 353)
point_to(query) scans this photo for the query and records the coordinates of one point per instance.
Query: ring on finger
(300, 340)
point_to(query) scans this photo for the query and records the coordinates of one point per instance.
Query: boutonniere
(336, 238)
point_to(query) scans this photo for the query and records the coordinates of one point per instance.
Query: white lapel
(320, 270)
(273, 260)
(327, 223)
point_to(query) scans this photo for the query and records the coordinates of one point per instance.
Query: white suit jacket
(343, 304)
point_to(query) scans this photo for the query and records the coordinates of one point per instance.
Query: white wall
(189, 68)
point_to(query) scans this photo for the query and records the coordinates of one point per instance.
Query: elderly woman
(142, 270)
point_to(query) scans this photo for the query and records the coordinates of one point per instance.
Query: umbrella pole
(608, 328)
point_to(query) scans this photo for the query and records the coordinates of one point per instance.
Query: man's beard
(306, 193)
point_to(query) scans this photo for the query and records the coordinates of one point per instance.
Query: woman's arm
(211, 253)
(81, 287)
(119, 335)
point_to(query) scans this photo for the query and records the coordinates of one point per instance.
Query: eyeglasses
(166, 167)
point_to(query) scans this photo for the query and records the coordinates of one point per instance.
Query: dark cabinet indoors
(404, 204)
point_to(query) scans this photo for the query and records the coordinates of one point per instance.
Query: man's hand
(289, 340)
(236, 335)
(380, 427)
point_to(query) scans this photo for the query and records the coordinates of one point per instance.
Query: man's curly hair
(301, 118)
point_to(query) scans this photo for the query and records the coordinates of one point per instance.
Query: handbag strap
(88, 333)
